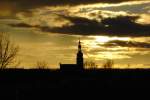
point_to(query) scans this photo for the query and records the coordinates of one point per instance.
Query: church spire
(79, 46)
(80, 56)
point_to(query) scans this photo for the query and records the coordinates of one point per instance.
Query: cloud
(116, 26)
(9, 8)
(133, 44)
(23, 25)
(36, 3)
(130, 7)
(25, 5)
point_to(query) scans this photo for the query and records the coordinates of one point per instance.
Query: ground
(18, 82)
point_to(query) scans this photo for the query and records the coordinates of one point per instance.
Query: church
(79, 61)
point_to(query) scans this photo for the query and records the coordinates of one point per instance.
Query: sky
(49, 30)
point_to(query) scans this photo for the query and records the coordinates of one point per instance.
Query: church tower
(79, 60)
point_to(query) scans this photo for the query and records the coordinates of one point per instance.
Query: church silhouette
(79, 61)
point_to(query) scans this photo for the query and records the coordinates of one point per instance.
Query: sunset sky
(48, 30)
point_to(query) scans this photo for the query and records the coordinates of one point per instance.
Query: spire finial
(79, 41)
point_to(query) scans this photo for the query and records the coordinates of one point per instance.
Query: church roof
(68, 65)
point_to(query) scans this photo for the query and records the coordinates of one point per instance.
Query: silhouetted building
(79, 61)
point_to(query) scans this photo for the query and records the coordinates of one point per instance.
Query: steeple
(79, 46)
(80, 56)
(79, 61)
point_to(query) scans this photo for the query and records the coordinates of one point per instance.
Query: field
(20, 82)
(102, 78)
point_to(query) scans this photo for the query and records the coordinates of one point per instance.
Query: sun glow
(145, 19)
(95, 44)
(104, 39)
(96, 41)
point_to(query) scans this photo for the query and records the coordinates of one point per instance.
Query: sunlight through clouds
(145, 19)
(94, 48)
(39, 18)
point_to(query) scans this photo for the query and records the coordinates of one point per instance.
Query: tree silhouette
(90, 65)
(41, 64)
(108, 64)
(8, 51)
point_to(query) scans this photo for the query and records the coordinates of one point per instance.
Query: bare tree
(8, 51)
(41, 64)
(108, 64)
(90, 65)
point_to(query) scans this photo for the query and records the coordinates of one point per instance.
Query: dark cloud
(23, 25)
(81, 26)
(127, 44)
(31, 4)
(117, 26)
(125, 26)
(62, 2)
